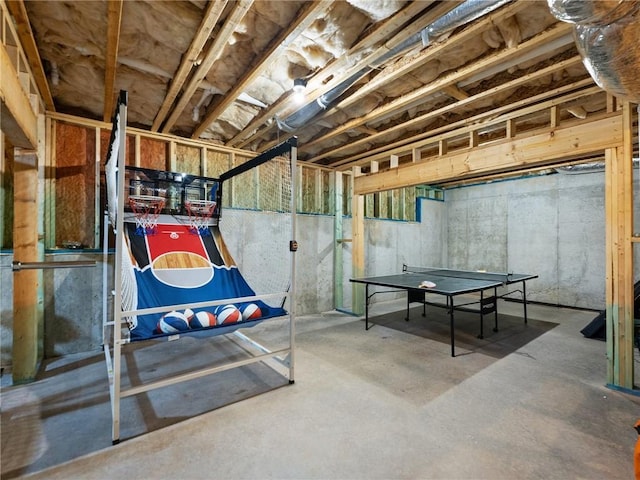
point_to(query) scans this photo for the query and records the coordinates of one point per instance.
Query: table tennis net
(448, 272)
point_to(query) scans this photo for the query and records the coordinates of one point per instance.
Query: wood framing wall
(619, 256)
(21, 116)
(608, 134)
(450, 154)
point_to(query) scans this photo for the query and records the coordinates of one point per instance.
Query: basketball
(228, 314)
(250, 311)
(173, 322)
(189, 314)
(203, 320)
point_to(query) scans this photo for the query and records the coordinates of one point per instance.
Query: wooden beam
(411, 124)
(554, 116)
(455, 92)
(357, 251)
(273, 52)
(401, 68)
(19, 122)
(511, 127)
(509, 155)
(619, 257)
(28, 42)
(473, 139)
(49, 199)
(338, 257)
(457, 75)
(498, 115)
(443, 147)
(341, 68)
(26, 335)
(240, 9)
(114, 19)
(191, 58)
(366, 130)
(161, 137)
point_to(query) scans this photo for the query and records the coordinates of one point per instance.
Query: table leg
(524, 300)
(453, 354)
(366, 307)
(495, 314)
(481, 314)
(406, 318)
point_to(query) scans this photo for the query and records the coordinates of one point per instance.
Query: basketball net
(262, 218)
(200, 211)
(146, 209)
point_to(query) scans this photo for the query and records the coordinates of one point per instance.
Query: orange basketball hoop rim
(146, 209)
(200, 212)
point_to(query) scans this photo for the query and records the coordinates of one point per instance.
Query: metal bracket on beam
(16, 266)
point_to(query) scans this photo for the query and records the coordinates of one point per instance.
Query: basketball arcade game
(174, 275)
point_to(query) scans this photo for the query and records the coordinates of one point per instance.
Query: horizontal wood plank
(537, 149)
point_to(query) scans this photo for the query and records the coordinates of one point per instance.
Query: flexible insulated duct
(594, 167)
(464, 13)
(607, 35)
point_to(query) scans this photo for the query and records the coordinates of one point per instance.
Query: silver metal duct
(582, 168)
(590, 12)
(462, 14)
(589, 167)
(607, 35)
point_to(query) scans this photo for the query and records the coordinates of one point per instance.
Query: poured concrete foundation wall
(74, 298)
(6, 309)
(552, 225)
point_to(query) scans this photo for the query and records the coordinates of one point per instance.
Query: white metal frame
(112, 330)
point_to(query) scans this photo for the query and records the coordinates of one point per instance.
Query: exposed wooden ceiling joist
(275, 49)
(411, 124)
(379, 94)
(114, 20)
(342, 68)
(399, 69)
(191, 58)
(535, 150)
(240, 9)
(407, 100)
(580, 89)
(23, 28)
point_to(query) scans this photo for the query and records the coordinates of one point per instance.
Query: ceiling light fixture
(299, 85)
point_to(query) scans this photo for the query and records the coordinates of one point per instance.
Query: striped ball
(250, 311)
(173, 322)
(203, 320)
(227, 314)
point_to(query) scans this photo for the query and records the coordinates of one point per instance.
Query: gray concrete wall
(72, 306)
(389, 244)
(6, 309)
(74, 298)
(551, 225)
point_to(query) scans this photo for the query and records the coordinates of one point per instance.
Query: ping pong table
(420, 281)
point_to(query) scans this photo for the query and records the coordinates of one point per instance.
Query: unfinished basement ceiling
(223, 71)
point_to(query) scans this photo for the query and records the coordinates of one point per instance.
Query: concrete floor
(526, 402)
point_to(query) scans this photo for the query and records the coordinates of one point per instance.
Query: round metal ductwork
(607, 35)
